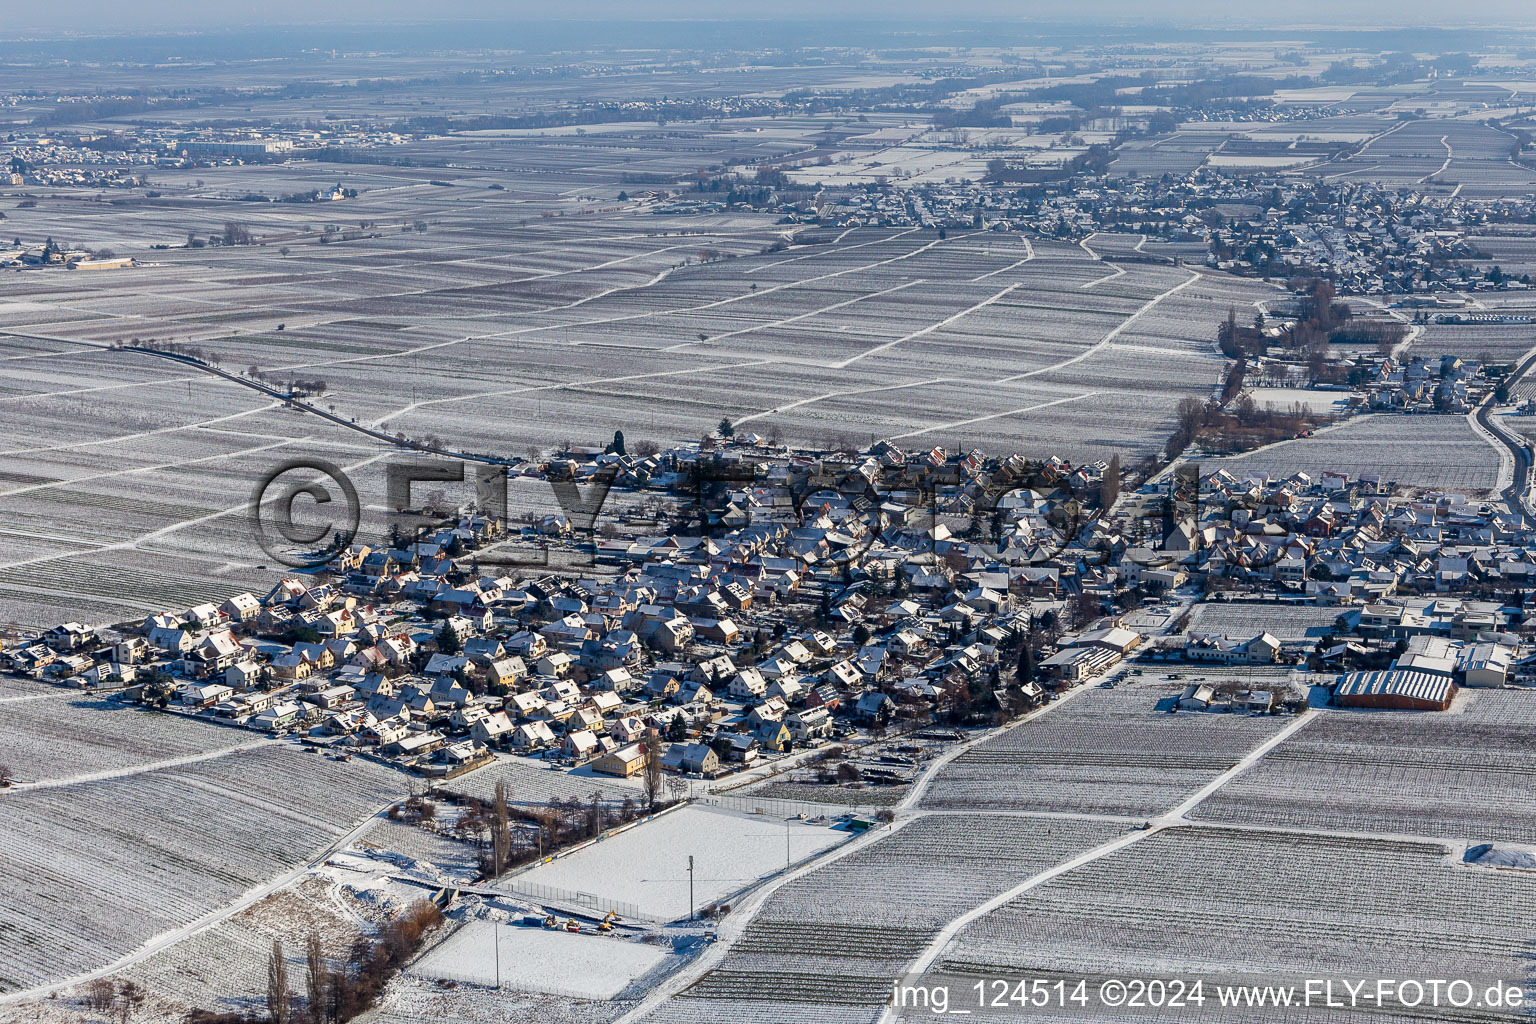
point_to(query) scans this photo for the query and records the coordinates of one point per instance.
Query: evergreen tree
(1026, 662)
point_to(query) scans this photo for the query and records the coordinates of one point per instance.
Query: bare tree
(129, 998)
(1191, 413)
(277, 984)
(317, 977)
(1109, 487)
(677, 788)
(99, 995)
(500, 830)
(650, 748)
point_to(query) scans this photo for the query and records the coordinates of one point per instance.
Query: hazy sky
(96, 16)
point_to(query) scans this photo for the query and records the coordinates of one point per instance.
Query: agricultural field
(1438, 155)
(410, 1000)
(1512, 250)
(1485, 343)
(646, 866)
(827, 945)
(223, 968)
(500, 330)
(1255, 905)
(64, 734)
(427, 853)
(20, 688)
(144, 854)
(1292, 622)
(1176, 154)
(1465, 775)
(530, 782)
(833, 794)
(1440, 453)
(1109, 751)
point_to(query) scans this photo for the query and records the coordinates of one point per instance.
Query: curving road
(1519, 487)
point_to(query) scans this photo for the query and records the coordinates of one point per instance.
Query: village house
(624, 762)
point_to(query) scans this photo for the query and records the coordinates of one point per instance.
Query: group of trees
(333, 996)
(1095, 160)
(114, 1000)
(1242, 426)
(512, 834)
(1320, 321)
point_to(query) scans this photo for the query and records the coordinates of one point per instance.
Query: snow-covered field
(1438, 452)
(1107, 752)
(1466, 775)
(93, 870)
(132, 498)
(647, 865)
(540, 960)
(1285, 621)
(531, 781)
(826, 946)
(1221, 902)
(66, 733)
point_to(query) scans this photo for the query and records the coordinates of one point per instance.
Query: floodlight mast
(691, 915)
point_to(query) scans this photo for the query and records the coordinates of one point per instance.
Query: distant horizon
(98, 19)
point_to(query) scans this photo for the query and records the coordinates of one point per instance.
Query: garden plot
(98, 868)
(833, 940)
(539, 960)
(647, 865)
(434, 856)
(1273, 906)
(66, 734)
(1421, 452)
(1287, 622)
(1108, 751)
(1465, 775)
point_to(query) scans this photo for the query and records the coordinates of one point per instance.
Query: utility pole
(691, 915)
(496, 941)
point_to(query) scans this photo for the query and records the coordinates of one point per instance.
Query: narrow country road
(1519, 487)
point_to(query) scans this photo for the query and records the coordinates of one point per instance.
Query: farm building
(1395, 689)
(1074, 664)
(1486, 664)
(1227, 650)
(1196, 697)
(1121, 641)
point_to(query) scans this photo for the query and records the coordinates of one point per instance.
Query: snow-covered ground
(647, 865)
(539, 960)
